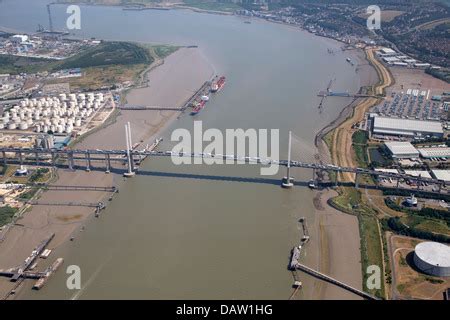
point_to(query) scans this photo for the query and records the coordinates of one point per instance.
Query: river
(215, 232)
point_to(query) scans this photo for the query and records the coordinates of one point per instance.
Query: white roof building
(386, 170)
(387, 51)
(418, 173)
(434, 152)
(443, 175)
(391, 59)
(19, 38)
(406, 127)
(402, 150)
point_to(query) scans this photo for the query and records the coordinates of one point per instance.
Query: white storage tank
(433, 258)
(23, 126)
(12, 126)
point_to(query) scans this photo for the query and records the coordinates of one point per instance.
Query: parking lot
(410, 105)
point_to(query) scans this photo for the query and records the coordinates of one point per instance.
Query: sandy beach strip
(338, 244)
(170, 84)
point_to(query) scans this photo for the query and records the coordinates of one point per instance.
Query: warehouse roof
(434, 152)
(387, 50)
(418, 173)
(395, 124)
(401, 148)
(386, 170)
(441, 174)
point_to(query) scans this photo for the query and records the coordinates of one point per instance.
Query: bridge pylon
(288, 181)
(130, 171)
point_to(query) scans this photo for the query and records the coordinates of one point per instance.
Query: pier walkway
(329, 279)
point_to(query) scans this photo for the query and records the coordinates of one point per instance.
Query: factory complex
(63, 116)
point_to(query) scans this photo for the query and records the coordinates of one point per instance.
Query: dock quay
(20, 273)
(203, 89)
(139, 107)
(295, 256)
(338, 283)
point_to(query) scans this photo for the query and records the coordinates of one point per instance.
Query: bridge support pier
(336, 178)
(288, 181)
(37, 158)
(70, 160)
(88, 161)
(53, 159)
(4, 158)
(356, 180)
(20, 158)
(108, 163)
(398, 182)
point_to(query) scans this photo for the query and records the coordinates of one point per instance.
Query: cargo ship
(216, 86)
(199, 105)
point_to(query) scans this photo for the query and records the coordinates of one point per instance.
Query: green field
(212, 5)
(6, 214)
(426, 224)
(105, 54)
(108, 53)
(359, 139)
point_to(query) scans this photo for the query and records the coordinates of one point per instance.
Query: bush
(398, 227)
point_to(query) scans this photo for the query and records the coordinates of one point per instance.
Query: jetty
(24, 270)
(338, 283)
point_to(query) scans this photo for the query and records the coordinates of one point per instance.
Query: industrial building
(401, 150)
(406, 127)
(418, 173)
(443, 175)
(433, 258)
(19, 38)
(428, 153)
(387, 52)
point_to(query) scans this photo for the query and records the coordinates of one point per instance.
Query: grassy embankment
(105, 65)
(212, 5)
(201, 5)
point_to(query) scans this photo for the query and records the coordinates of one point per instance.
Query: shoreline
(340, 149)
(338, 233)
